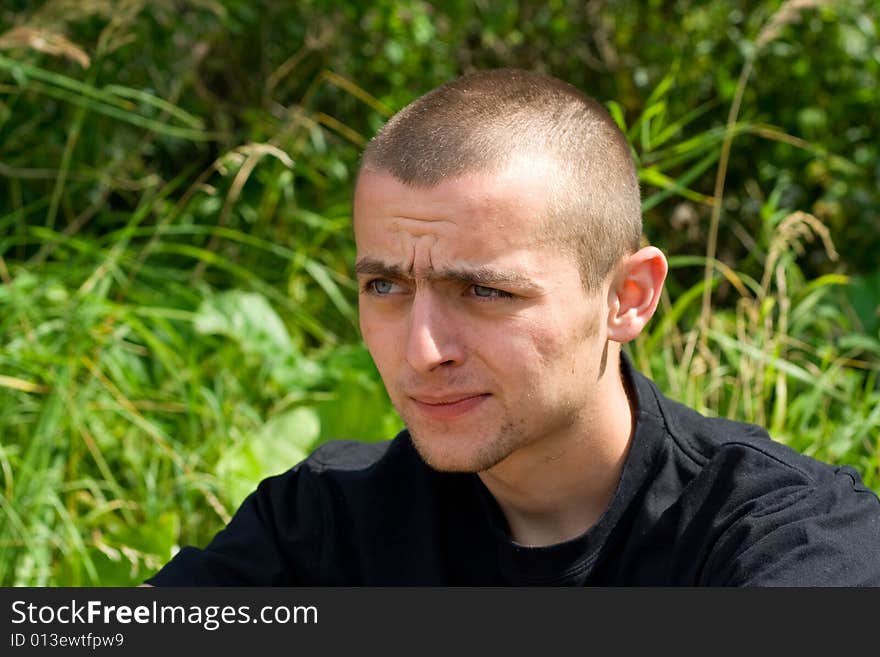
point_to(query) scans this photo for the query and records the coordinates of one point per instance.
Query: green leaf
(282, 442)
(247, 318)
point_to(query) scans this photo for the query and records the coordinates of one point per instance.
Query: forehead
(482, 222)
(483, 227)
(508, 205)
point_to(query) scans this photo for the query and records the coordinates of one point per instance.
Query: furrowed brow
(487, 276)
(370, 267)
(480, 275)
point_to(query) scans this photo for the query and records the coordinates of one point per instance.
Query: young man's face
(484, 336)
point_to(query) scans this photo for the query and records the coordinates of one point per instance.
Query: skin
(496, 358)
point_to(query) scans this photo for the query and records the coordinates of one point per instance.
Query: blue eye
(381, 286)
(484, 292)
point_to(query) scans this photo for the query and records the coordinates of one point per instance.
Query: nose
(432, 338)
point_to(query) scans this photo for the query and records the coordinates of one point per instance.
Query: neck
(556, 488)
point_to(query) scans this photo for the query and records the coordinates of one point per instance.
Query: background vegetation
(177, 308)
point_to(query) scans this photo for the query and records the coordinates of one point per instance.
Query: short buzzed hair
(478, 122)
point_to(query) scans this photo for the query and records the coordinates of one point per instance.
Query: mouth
(449, 407)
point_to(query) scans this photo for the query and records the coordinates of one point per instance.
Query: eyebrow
(479, 275)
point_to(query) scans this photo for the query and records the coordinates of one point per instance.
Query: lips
(444, 400)
(448, 407)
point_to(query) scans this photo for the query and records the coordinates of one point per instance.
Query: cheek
(523, 355)
(564, 346)
(548, 341)
(379, 336)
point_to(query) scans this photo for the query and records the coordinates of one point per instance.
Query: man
(498, 225)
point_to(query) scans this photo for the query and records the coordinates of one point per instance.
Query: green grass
(130, 425)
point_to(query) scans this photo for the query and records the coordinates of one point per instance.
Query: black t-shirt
(701, 501)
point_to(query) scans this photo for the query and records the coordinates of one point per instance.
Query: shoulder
(757, 511)
(343, 461)
(347, 469)
(353, 457)
(347, 455)
(747, 456)
(735, 449)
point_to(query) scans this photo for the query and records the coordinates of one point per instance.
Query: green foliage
(178, 311)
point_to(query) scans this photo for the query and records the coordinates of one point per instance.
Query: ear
(635, 292)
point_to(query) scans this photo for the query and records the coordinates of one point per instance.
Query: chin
(447, 452)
